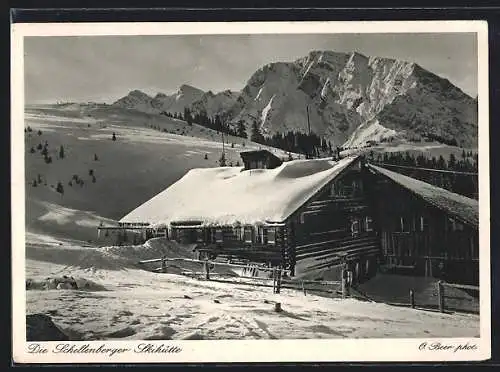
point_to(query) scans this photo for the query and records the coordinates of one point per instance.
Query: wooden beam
(263, 268)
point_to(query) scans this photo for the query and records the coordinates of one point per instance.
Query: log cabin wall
(421, 239)
(338, 220)
(256, 243)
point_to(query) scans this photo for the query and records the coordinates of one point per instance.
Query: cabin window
(403, 225)
(271, 235)
(332, 190)
(455, 225)
(423, 223)
(260, 236)
(354, 227)
(237, 233)
(218, 236)
(368, 223)
(357, 187)
(199, 235)
(247, 234)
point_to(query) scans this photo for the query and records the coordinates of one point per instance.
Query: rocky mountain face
(353, 100)
(348, 98)
(175, 103)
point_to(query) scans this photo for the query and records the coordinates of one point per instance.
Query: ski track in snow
(141, 305)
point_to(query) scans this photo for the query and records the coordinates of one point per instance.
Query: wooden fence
(449, 300)
(340, 287)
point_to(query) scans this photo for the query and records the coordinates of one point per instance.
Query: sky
(105, 68)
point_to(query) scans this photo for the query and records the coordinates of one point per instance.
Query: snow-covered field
(129, 303)
(126, 302)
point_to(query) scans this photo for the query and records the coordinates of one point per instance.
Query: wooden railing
(442, 295)
(278, 282)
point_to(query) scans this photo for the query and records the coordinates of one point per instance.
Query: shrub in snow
(95, 157)
(114, 137)
(60, 188)
(34, 184)
(48, 159)
(29, 129)
(32, 150)
(91, 172)
(206, 156)
(61, 152)
(222, 160)
(70, 184)
(39, 146)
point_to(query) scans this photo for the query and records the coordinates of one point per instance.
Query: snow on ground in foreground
(138, 304)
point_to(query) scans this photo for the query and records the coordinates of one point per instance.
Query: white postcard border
(349, 350)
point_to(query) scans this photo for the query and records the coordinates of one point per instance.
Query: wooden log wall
(323, 235)
(420, 238)
(228, 242)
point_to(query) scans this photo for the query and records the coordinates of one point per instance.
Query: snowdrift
(92, 259)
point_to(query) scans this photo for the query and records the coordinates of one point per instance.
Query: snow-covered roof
(461, 207)
(228, 195)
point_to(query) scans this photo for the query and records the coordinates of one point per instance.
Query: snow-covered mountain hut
(312, 210)
(310, 215)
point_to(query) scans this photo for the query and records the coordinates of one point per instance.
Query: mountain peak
(189, 88)
(137, 93)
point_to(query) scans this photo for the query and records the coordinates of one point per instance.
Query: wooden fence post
(412, 299)
(343, 282)
(207, 270)
(163, 264)
(441, 296)
(274, 280)
(278, 281)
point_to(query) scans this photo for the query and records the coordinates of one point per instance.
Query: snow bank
(228, 195)
(106, 258)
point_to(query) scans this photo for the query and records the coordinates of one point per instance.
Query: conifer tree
(222, 160)
(60, 188)
(256, 135)
(241, 129)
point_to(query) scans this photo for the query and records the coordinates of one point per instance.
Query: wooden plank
(261, 268)
(303, 247)
(338, 247)
(461, 286)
